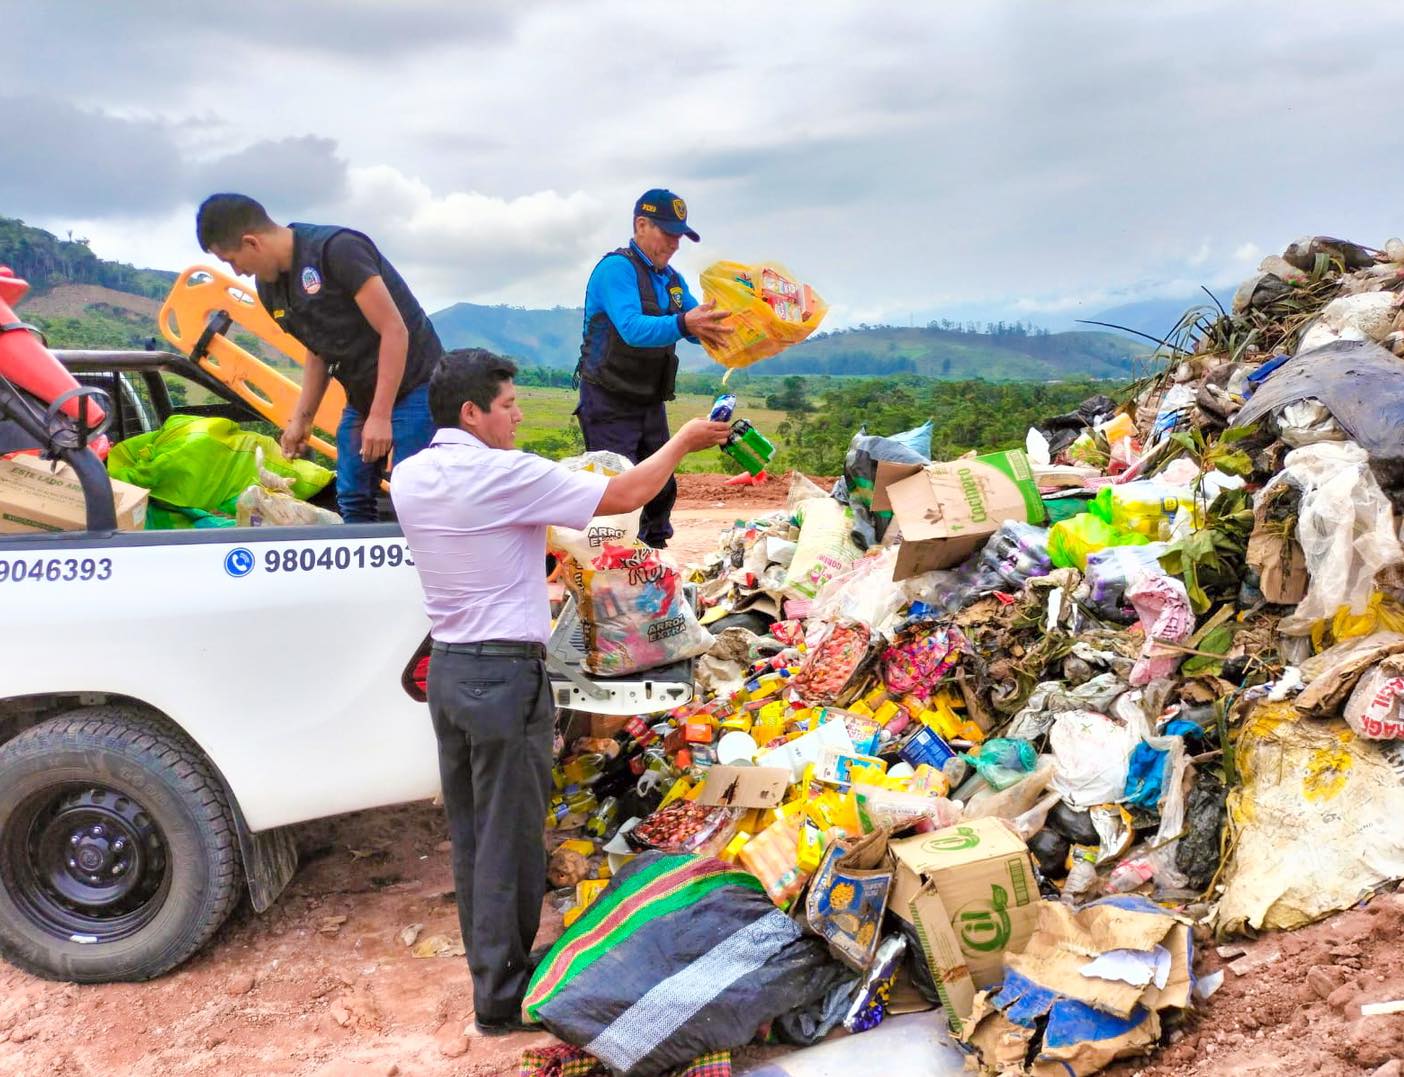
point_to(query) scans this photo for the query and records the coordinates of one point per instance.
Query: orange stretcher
(201, 293)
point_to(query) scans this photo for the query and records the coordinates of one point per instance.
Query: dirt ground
(325, 984)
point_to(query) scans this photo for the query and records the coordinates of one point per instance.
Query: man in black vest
(331, 289)
(637, 308)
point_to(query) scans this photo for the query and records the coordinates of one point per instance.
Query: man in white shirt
(475, 511)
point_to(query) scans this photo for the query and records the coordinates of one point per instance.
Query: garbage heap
(999, 735)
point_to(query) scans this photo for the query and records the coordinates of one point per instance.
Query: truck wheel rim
(86, 863)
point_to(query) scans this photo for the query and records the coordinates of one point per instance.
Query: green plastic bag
(1070, 541)
(205, 463)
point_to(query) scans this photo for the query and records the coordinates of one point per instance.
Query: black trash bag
(1074, 824)
(865, 451)
(1062, 430)
(918, 971)
(679, 956)
(1051, 850)
(1197, 854)
(809, 1024)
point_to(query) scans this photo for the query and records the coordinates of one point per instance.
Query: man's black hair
(224, 219)
(466, 374)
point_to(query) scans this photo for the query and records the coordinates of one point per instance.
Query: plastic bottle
(1129, 875)
(1082, 879)
(604, 818)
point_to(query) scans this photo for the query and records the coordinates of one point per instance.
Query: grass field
(549, 418)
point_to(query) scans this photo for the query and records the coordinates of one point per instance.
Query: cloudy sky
(963, 158)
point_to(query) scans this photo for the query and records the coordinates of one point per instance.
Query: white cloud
(463, 244)
(911, 161)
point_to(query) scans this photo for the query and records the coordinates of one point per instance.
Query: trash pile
(997, 734)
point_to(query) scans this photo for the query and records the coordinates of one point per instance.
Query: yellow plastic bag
(770, 310)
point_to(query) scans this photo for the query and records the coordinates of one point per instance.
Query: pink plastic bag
(1164, 608)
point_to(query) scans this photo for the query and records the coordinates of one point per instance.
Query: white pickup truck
(172, 702)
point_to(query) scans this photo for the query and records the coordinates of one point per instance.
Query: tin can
(722, 408)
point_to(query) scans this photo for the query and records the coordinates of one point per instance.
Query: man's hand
(376, 438)
(706, 323)
(294, 439)
(699, 434)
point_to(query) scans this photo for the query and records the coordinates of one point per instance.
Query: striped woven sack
(679, 957)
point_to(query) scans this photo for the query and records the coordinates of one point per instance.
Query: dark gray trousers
(494, 720)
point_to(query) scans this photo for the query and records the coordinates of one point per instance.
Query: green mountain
(952, 354)
(45, 261)
(551, 338)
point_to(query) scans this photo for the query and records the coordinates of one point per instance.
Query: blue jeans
(358, 482)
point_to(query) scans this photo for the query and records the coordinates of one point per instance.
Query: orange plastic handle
(198, 293)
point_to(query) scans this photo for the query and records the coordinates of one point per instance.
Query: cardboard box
(971, 894)
(745, 787)
(947, 510)
(44, 495)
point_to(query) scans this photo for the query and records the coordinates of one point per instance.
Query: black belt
(493, 648)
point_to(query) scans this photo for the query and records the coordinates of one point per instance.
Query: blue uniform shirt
(614, 290)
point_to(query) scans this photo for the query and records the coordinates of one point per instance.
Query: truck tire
(118, 854)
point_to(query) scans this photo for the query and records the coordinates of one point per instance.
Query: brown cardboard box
(971, 893)
(947, 510)
(605, 725)
(42, 495)
(745, 787)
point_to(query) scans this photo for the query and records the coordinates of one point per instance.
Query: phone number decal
(56, 570)
(335, 558)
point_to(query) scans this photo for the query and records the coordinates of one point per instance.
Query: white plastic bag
(1345, 527)
(865, 593)
(621, 530)
(1090, 752)
(271, 503)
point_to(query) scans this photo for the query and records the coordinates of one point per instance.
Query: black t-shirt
(350, 260)
(315, 302)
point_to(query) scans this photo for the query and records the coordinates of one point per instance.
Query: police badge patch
(680, 209)
(311, 281)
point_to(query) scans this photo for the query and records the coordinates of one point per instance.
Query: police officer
(637, 308)
(332, 289)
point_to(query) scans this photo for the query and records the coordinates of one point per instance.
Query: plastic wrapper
(270, 503)
(1071, 541)
(919, 658)
(685, 826)
(825, 547)
(1017, 552)
(1345, 526)
(634, 613)
(770, 310)
(619, 530)
(1111, 571)
(1174, 412)
(772, 856)
(831, 663)
(894, 811)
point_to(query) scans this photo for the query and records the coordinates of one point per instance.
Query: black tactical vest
(325, 318)
(641, 375)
